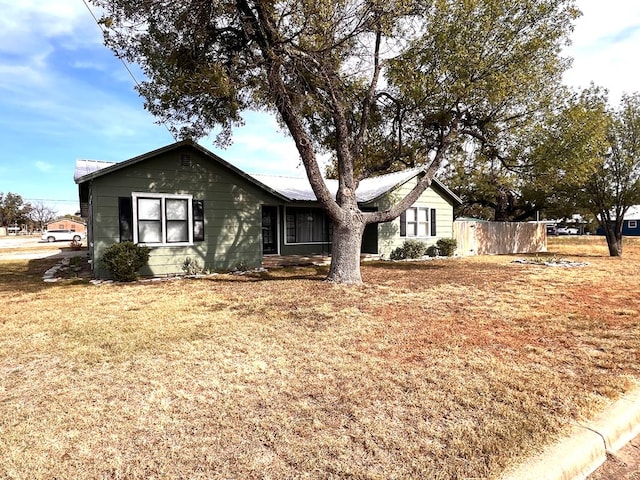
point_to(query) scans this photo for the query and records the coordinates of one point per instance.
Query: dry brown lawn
(435, 370)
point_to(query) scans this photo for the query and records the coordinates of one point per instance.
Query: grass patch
(440, 370)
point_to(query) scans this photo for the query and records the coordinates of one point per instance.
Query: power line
(75, 200)
(124, 64)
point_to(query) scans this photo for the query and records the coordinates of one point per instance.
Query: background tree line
(15, 212)
(581, 155)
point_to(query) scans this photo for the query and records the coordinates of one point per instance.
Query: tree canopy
(380, 85)
(13, 209)
(610, 183)
(540, 166)
(580, 156)
(586, 158)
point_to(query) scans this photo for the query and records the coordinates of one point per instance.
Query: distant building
(631, 223)
(66, 223)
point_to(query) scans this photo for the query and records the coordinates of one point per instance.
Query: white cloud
(260, 146)
(605, 44)
(44, 166)
(89, 65)
(27, 25)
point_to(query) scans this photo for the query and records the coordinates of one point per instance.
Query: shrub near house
(123, 260)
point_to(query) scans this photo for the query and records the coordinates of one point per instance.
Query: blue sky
(63, 96)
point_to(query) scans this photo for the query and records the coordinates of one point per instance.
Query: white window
(160, 219)
(418, 222)
(633, 224)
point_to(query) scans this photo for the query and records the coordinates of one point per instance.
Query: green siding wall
(389, 233)
(232, 208)
(233, 213)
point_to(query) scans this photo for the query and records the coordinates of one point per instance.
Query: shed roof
(632, 214)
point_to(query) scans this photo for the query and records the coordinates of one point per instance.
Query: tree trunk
(345, 252)
(613, 233)
(615, 247)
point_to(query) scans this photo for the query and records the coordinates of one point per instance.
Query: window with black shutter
(161, 219)
(433, 222)
(198, 220)
(418, 222)
(125, 216)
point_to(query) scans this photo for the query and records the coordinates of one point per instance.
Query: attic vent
(185, 160)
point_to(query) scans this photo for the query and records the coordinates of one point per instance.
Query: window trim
(286, 239)
(163, 197)
(408, 227)
(632, 224)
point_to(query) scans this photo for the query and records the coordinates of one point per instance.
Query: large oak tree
(379, 84)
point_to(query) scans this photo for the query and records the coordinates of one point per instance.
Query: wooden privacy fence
(499, 238)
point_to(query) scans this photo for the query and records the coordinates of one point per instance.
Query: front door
(269, 229)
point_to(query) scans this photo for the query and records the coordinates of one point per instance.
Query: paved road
(27, 248)
(624, 465)
(19, 242)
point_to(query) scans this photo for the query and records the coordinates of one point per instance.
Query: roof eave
(438, 183)
(453, 196)
(132, 161)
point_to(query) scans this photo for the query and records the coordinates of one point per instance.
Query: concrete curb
(587, 446)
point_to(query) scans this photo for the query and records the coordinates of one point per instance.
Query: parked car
(62, 235)
(567, 231)
(552, 230)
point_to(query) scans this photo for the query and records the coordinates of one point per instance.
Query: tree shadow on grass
(408, 266)
(319, 273)
(24, 275)
(311, 273)
(551, 254)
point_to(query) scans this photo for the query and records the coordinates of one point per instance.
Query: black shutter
(433, 222)
(125, 215)
(198, 220)
(403, 224)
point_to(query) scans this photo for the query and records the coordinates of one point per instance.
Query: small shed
(631, 224)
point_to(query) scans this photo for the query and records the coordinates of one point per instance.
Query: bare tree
(41, 214)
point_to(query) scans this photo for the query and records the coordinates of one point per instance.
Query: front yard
(443, 370)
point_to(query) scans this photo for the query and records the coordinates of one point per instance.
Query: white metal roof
(85, 167)
(633, 213)
(299, 188)
(291, 188)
